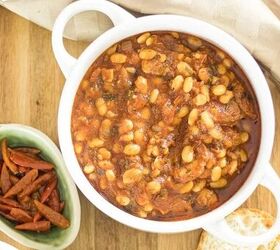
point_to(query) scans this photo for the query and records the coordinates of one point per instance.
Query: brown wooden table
(30, 87)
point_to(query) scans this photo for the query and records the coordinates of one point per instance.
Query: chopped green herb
(109, 96)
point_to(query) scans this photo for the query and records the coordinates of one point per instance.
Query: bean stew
(165, 126)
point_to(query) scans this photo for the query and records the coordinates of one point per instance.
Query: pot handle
(222, 231)
(113, 11)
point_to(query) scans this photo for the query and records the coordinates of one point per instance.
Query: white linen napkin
(255, 23)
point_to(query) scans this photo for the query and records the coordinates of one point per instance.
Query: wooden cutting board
(30, 87)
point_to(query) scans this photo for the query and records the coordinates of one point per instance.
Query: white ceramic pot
(127, 25)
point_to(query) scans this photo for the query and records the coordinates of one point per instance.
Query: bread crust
(246, 221)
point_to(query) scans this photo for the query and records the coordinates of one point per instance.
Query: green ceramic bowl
(20, 135)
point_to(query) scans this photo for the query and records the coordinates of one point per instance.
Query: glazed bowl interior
(208, 33)
(56, 238)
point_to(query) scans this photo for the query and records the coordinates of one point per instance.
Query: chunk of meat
(96, 74)
(197, 85)
(206, 198)
(128, 163)
(231, 137)
(181, 99)
(167, 109)
(136, 103)
(124, 80)
(206, 174)
(126, 46)
(169, 41)
(168, 112)
(155, 67)
(244, 100)
(199, 62)
(168, 141)
(205, 154)
(224, 114)
(189, 172)
(133, 58)
(140, 194)
(171, 204)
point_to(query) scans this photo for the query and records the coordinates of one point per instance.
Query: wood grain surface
(30, 87)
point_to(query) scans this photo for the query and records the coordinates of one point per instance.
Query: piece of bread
(246, 222)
